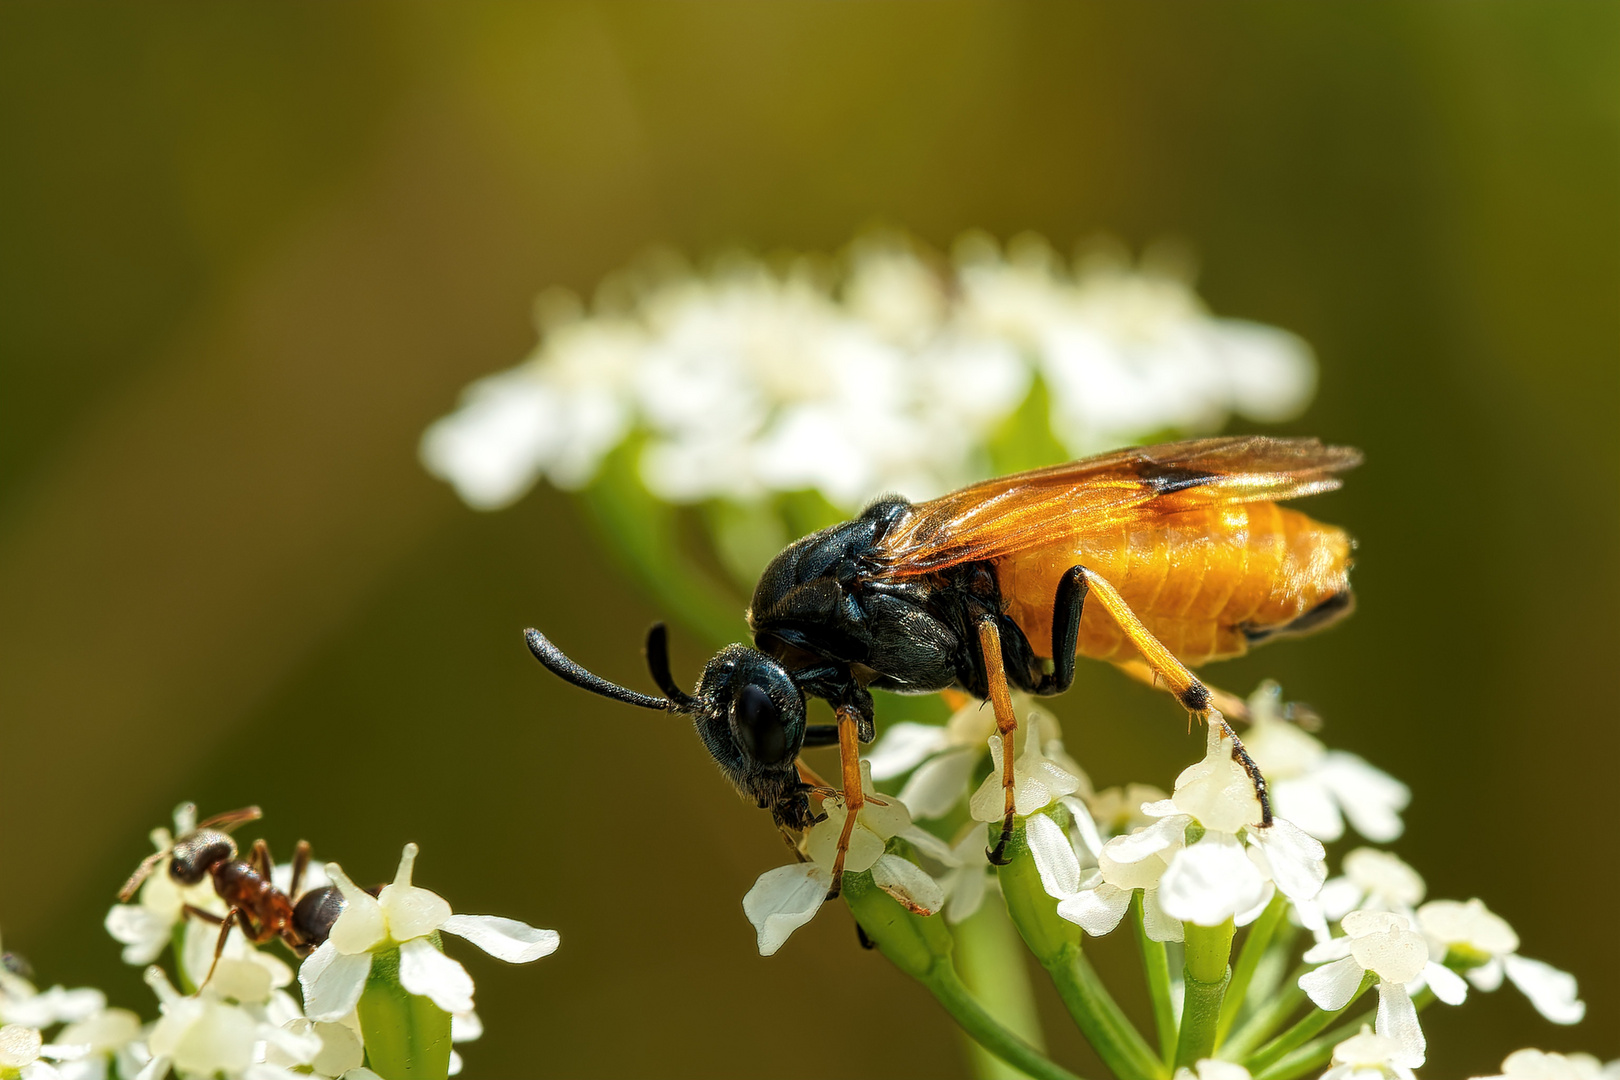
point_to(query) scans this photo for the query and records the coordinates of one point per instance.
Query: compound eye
(758, 723)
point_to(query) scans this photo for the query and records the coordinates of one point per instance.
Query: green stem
(407, 1036)
(1204, 977)
(1102, 1021)
(1254, 947)
(990, 959)
(1156, 965)
(967, 1012)
(1316, 1053)
(1266, 1019)
(1304, 1030)
(921, 946)
(1056, 944)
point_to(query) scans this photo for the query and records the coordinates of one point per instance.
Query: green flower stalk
(407, 1036)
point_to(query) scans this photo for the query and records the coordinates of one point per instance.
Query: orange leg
(1194, 696)
(1228, 704)
(1006, 724)
(849, 759)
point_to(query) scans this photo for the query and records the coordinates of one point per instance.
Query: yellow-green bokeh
(250, 251)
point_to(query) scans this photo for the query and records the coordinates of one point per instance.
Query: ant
(261, 909)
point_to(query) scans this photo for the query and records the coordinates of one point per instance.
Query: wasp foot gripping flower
(1536, 1065)
(1471, 936)
(1317, 788)
(786, 898)
(400, 920)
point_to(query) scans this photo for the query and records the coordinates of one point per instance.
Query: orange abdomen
(1208, 583)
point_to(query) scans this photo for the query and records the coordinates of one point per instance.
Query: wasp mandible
(1172, 555)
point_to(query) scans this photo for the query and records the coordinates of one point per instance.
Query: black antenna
(658, 664)
(565, 669)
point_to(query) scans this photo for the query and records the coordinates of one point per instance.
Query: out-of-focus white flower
(1368, 1056)
(1470, 935)
(101, 1036)
(24, 1050)
(1118, 810)
(205, 1034)
(941, 760)
(786, 898)
(402, 916)
(146, 927)
(969, 875)
(1212, 1069)
(1373, 880)
(21, 1004)
(1317, 788)
(890, 374)
(1538, 1065)
(1386, 945)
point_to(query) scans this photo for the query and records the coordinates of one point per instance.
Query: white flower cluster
(243, 1024)
(885, 370)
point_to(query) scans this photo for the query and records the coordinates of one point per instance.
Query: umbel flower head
(886, 370)
(403, 916)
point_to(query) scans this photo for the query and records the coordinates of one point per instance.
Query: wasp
(1159, 558)
(302, 922)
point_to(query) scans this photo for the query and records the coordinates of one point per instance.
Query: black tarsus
(1067, 608)
(558, 664)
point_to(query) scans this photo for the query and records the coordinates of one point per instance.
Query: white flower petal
(964, 890)
(427, 971)
(1328, 949)
(505, 939)
(1333, 985)
(1294, 858)
(144, 933)
(332, 982)
(1155, 923)
(1096, 911)
(939, 783)
(930, 845)
(1447, 985)
(784, 899)
(907, 883)
(1397, 1019)
(1370, 797)
(361, 924)
(1551, 991)
(903, 747)
(1054, 857)
(1309, 805)
(1487, 976)
(1085, 825)
(1210, 882)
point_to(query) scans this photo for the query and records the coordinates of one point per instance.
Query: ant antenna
(142, 872)
(230, 819)
(558, 664)
(658, 664)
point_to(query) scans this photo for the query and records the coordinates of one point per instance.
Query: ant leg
(225, 925)
(259, 858)
(300, 866)
(1006, 723)
(849, 758)
(1194, 696)
(196, 912)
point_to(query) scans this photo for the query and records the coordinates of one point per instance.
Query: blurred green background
(252, 250)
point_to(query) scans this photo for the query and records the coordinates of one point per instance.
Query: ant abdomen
(315, 913)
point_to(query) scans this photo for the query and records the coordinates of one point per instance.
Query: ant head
(192, 855)
(747, 709)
